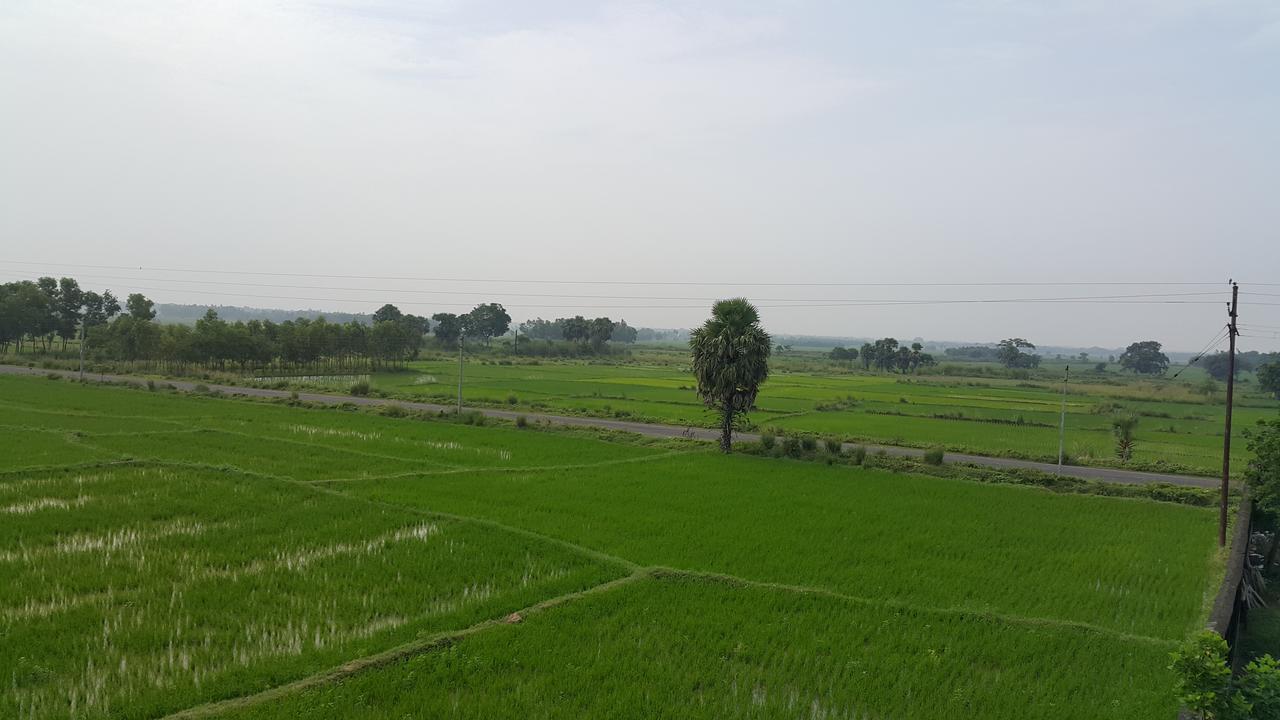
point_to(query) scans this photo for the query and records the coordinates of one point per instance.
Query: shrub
(791, 446)
(394, 410)
(522, 421)
(151, 385)
(512, 399)
(360, 388)
(934, 456)
(858, 455)
(53, 376)
(200, 389)
(833, 445)
(767, 440)
(809, 443)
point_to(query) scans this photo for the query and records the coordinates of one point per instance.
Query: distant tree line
(48, 313)
(595, 332)
(887, 355)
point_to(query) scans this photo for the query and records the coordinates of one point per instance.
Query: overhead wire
(581, 281)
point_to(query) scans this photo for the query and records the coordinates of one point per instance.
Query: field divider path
(395, 654)
(454, 470)
(1103, 474)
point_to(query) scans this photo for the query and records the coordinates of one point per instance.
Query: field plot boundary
(394, 654)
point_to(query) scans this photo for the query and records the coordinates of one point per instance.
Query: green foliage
(1269, 378)
(1263, 472)
(767, 440)
(730, 361)
(359, 388)
(1144, 358)
(934, 456)
(858, 455)
(808, 443)
(833, 445)
(1204, 683)
(1122, 427)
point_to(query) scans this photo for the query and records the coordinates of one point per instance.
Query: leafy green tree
(730, 361)
(624, 333)
(140, 308)
(1263, 476)
(1011, 353)
(68, 304)
(1144, 358)
(387, 313)
(600, 331)
(488, 320)
(575, 329)
(448, 328)
(1269, 378)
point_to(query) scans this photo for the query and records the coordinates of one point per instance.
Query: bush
(767, 440)
(809, 443)
(833, 445)
(934, 456)
(791, 446)
(394, 410)
(858, 455)
(200, 389)
(512, 399)
(151, 385)
(522, 421)
(53, 376)
(360, 388)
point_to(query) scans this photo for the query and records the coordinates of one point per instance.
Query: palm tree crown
(730, 360)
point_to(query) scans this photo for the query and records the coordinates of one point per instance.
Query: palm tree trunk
(726, 431)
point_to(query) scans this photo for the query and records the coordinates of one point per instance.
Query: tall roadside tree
(730, 361)
(1269, 378)
(1012, 353)
(1144, 358)
(1263, 477)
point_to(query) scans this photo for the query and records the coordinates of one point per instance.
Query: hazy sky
(1131, 141)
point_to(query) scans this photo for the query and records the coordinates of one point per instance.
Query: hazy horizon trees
(1011, 353)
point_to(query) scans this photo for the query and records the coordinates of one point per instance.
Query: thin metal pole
(1226, 434)
(1062, 424)
(82, 337)
(461, 339)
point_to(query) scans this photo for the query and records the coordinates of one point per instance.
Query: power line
(1222, 334)
(610, 282)
(1102, 299)
(410, 291)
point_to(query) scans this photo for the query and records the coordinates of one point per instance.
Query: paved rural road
(1111, 475)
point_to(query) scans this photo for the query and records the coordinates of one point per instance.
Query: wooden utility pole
(83, 335)
(1226, 435)
(1062, 424)
(462, 339)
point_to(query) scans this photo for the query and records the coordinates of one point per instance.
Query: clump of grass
(768, 440)
(833, 445)
(934, 456)
(394, 410)
(512, 400)
(200, 389)
(522, 421)
(809, 443)
(359, 388)
(858, 455)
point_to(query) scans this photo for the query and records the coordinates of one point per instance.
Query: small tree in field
(730, 361)
(1122, 426)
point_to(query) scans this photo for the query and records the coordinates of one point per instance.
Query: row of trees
(595, 332)
(887, 355)
(47, 310)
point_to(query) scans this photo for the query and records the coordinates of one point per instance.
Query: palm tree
(730, 361)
